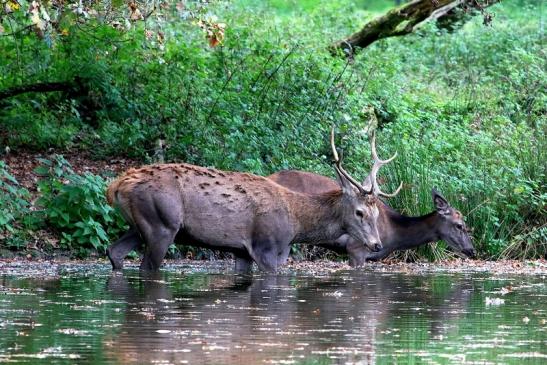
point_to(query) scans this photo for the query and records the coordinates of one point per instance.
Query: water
(87, 315)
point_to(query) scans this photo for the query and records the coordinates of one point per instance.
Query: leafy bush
(76, 207)
(15, 220)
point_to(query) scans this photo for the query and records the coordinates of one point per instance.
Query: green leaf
(95, 242)
(41, 171)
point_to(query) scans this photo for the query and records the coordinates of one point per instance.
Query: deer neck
(318, 218)
(403, 232)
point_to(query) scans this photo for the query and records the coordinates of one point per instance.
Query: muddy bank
(500, 267)
(25, 267)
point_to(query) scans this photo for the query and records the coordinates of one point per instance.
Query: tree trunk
(403, 20)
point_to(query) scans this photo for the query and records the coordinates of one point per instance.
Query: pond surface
(183, 315)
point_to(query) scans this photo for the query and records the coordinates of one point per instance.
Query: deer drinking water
(254, 217)
(397, 231)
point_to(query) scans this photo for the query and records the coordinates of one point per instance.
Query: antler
(340, 169)
(370, 182)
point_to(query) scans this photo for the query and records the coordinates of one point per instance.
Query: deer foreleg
(265, 255)
(357, 252)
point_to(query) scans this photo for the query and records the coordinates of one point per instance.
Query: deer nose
(377, 247)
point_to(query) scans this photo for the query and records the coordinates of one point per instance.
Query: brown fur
(396, 231)
(245, 213)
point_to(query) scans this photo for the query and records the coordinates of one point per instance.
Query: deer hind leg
(243, 262)
(158, 224)
(119, 249)
(155, 252)
(283, 255)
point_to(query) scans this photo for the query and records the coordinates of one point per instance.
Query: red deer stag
(397, 232)
(252, 216)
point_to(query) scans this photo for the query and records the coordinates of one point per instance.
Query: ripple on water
(188, 314)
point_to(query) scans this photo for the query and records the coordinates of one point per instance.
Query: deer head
(452, 228)
(360, 213)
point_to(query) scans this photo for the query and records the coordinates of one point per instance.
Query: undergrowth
(464, 109)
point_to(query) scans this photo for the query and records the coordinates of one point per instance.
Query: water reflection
(267, 318)
(345, 317)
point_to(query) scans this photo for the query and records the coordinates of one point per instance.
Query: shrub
(75, 206)
(15, 218)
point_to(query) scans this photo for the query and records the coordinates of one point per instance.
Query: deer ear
(345, 184)
(441, 204)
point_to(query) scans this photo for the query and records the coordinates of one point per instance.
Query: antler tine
(380, 192)
(375, 153)
(378, 163)
(371, 178)
(385, 162)
(338, 166)
(373, 147)
(333, 146)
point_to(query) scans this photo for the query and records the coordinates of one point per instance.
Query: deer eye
(359, 213)
(459, 226)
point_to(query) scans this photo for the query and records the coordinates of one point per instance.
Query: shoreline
(23, 266)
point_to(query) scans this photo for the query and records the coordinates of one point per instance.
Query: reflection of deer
(243, 319)
(162, 323)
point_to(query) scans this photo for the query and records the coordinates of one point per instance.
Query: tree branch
(40, 87)
(403, 20)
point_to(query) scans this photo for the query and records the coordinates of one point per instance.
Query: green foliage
(15, 220)
(465, 109)
(75, 205)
